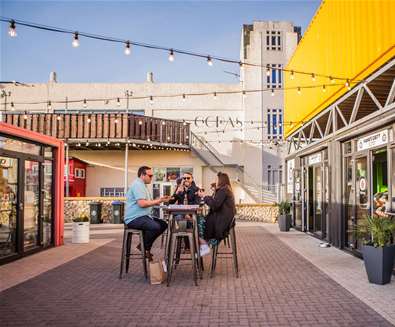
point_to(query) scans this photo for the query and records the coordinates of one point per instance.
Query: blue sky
(211, 27)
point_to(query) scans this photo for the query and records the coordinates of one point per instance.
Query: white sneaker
(204, 250)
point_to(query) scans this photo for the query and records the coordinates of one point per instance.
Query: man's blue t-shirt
(137, 191)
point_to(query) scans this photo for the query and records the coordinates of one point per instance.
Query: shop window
(47, 203)
(19, 146)
(347, 147)
(48, 152)
(393, 180)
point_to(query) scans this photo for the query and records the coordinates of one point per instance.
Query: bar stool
(226, 255)
(127, 254)
(175, 239)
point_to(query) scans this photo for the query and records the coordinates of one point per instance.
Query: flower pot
(379, 263)
(80, 232)
(284, 222)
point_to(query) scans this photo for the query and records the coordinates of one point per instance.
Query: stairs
(217, 162)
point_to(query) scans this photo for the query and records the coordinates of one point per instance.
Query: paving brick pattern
(277, 287)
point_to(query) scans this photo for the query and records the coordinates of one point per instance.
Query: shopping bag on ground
(157, 272)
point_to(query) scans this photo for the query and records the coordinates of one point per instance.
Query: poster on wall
(172, 174)
(159, 174)
(290, 175)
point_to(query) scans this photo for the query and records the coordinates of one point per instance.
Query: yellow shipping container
(346, 38)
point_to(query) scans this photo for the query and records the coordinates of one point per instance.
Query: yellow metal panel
(349, 39)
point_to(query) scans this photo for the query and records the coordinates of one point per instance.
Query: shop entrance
(366, 190)
(315, 194)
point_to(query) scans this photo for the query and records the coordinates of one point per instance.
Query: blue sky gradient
(211, 27)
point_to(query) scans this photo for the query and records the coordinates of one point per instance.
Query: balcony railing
(97, 126)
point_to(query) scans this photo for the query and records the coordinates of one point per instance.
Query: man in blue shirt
(138, 212)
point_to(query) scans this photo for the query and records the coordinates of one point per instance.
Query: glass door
(31, 205)
(297, 201)
(8, 206)
(362, 203)
(317, 200)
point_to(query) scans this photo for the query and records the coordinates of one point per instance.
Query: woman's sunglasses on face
(187, 178)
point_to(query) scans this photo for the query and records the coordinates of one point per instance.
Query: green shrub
(376, 231)
(284, 207)
(81, 219)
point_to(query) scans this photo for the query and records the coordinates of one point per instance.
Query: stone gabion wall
(74, 207)
(257, 212)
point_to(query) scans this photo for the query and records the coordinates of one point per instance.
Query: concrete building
(232, 131)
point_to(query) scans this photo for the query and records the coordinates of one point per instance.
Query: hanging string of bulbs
(182, 96)
(76, 36)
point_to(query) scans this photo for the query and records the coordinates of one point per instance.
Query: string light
(88, 120)
(323, 88)
(85, 104)
(116, 121)
(292, 75)
(331, 79)
(215, 95)
(209, 61)
(49, 105)
(171, 55)
(58, 117)
(12, 29)
(118, 102)
(244, 94)
(151, 100)
(163, 123)
(272, 93)
(87, 143)
(183, 98)
(313, 77)
(76, 41)
(267, 70)
(299, 92)
(127, 48)
(25, 116)
(348, 84)
(140, 122)
(12, 106)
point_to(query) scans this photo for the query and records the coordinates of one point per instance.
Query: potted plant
(284, 216)
(378, 249)
(81, 229)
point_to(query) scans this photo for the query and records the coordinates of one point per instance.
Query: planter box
(284, 222)
(379, 263)
(80, 232)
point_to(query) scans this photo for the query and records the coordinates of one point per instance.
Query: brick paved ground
(277, 287)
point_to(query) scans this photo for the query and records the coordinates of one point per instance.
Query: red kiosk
(31, 192)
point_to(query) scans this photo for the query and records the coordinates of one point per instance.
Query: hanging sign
(290, 175)
(373, 140)
(315, 158)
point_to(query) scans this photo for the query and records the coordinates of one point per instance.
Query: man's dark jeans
(152, 227)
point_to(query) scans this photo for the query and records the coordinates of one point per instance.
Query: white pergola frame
(298, 140)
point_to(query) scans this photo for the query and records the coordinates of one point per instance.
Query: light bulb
(12, 106)
(292, 74)
(140, 122)
(347, 84)
(244, 94)
(88, 120)
(299, 92)
(118, 102)
(183, 98)
(58, 117)
(127, 48)
(116, 121)
(171, 55)
(272, 93)
(49, 105)
(12, 29)
(209, 61)
(323, 88)
(215, 95)
(313, 77)
(331, 79)
(267, 71)
(151, 100)
(24, 116)
(76, 41)
(85, 104)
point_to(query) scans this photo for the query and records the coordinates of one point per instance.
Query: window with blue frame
(274, 79)
(274, 123)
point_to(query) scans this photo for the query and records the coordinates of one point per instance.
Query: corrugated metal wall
(348, 39)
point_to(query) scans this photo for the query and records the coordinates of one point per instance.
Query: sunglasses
(188, 178)
(150, 176)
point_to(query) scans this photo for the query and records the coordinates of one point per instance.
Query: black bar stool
(231, 240)
(175, 239)
(127, 253)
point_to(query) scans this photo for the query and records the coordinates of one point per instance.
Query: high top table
(192, 210)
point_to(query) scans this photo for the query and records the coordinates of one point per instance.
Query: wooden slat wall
(76, 126)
